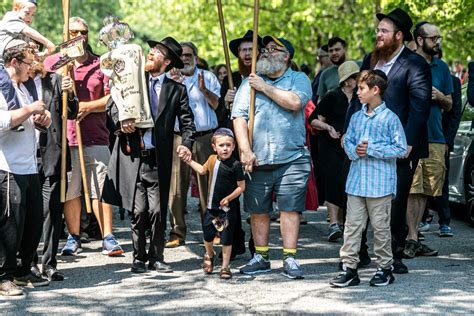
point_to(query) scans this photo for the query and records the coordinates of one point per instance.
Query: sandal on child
(208, 263)
(225, 273)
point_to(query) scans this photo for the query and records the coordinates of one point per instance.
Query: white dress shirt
(387, 66)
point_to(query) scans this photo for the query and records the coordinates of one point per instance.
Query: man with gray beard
(278, 162)
(203, 91)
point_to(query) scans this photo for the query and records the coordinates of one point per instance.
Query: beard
(153, 66)
(383, 53)
(244, 69)
(430, 51)
(38, 69)
(340, 61)
(268, 65)
(187, 70)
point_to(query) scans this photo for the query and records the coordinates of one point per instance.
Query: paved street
(100, 285)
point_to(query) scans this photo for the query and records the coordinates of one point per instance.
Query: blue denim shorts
(288, 181)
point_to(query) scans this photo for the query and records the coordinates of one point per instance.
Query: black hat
(35, 2)
(174, 50)
(248, 37)
(401, 19)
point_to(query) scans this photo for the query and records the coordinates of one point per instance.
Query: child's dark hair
(222, 132)
(373, 78)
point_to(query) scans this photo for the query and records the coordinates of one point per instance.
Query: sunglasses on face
(76, 32)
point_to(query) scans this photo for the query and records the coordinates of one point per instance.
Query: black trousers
(147, 214)
(52, 214)
(238, 240)
(398, 221)
(21, 222)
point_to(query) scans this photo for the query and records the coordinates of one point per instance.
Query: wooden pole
(85, 187)
(64, 111)
(253, 70)
(224, 43)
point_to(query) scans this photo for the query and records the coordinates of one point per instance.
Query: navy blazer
(409, 96)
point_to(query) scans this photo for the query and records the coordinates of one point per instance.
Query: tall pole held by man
(254, 66)
(64, 110)
(224, 44)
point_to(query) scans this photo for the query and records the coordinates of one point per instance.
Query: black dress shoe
(138, 267)
(52, 274)
(35, 270)
(399, 267)
(160, 267)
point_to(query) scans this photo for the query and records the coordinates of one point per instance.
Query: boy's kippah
(35, 2)
(381, 74)
(224, 132)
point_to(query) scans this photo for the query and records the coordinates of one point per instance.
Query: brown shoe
(8, 288)
(225, 274)
(173, 243)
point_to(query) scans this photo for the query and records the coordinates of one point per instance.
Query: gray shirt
(329, 80)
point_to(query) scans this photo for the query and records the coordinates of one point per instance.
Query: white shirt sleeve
(5, 115)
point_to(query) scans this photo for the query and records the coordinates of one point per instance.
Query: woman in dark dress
(329, 117)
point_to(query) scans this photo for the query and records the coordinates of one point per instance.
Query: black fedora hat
(174, 50)
(248, 37)
(401, 19)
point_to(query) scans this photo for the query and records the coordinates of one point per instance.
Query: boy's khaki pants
(359, 209)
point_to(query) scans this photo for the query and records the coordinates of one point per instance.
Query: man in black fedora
(242, 49)
(140, 167)
(409, 96)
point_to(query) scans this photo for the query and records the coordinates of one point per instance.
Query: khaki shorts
(96, 159)
(430, 172)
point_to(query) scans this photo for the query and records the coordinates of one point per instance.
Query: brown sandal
(225, 273)
(208, 263)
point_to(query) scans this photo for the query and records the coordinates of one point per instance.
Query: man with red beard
(278, 160)
(242, 49)
(146, 155)
(409, 96)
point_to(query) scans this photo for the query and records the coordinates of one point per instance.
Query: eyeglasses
(76, 32)
(271, 50)
(435, 38)
(246, 50)
(30, 64)
(384, 31)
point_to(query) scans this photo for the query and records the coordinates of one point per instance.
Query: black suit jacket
(409, 96)
(470, 84)
(222, 112)
(123, 167)
(50, 142)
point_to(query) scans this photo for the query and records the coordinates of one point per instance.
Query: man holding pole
(278, 162)
(92, 92)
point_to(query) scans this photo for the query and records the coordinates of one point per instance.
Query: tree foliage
(306, 23)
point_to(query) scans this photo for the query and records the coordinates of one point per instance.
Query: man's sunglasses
(76, 32)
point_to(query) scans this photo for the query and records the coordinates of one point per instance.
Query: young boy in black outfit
(226, 183)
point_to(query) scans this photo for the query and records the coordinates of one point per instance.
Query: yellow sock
(263, 251)
(289, 252)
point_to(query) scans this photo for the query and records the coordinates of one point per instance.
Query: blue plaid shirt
(376, 174)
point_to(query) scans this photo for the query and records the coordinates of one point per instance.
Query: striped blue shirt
(376, 174)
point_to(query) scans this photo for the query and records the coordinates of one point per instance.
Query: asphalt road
(98, 285)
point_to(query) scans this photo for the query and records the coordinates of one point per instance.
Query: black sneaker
(411, 248)
(292, 269)
(160, 266)
(138, 267)
(399, 267)
(421, 237)
(424, 250)
(52, 274)
(31, 280)
(382, 277)
(335, 232)
(256, 265)
(8, 288)
(350, 277)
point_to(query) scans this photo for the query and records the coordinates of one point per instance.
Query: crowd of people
(377, 143)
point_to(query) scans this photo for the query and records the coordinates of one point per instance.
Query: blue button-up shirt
(279, 134)
(376, 174)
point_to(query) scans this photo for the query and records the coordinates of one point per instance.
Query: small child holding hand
(226, 183)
